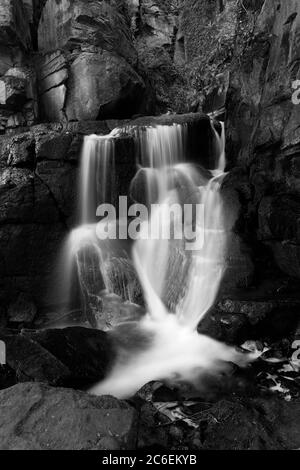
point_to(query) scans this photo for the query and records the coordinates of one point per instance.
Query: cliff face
(243, 58)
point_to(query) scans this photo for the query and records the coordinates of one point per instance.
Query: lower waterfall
(177, 254)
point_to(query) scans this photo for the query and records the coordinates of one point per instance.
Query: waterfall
(97, 175)
(192, 259)
(96, 186)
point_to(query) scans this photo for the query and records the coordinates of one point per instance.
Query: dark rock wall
(243, 57)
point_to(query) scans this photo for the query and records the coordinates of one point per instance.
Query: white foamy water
(176, 351)
(97, 181)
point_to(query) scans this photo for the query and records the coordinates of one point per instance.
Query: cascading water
(183, 270)
(81, 250)
(97, 175)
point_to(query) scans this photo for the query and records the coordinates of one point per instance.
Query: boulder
(117, 90)
(72, 357)
(38, 417)
(235, 321)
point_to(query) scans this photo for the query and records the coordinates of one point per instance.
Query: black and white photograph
(149, 229)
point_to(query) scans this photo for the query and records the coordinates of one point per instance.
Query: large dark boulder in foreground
(38, 417)
(72, 357)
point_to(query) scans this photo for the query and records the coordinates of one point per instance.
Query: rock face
(37, 417)
(88, 68)
(18, 97)
(160, 47)
(263, 87)
(115, 87)
(245, 58)
(67, 25)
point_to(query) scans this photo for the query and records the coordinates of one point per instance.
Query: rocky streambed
(45, 403)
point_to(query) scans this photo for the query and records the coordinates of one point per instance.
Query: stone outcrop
(261, 106)
(38, 417)
(72, 357)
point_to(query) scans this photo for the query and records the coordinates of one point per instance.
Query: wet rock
(254, 311)
(88, 354)
(22, 311)
(31, 362)
(122, 279)
(111, 292)
(259, 424)
(57, 419)
(144, 186)
(235, 321)
(107, 311)
(72, 357)
(239, 264)
(226, 327)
